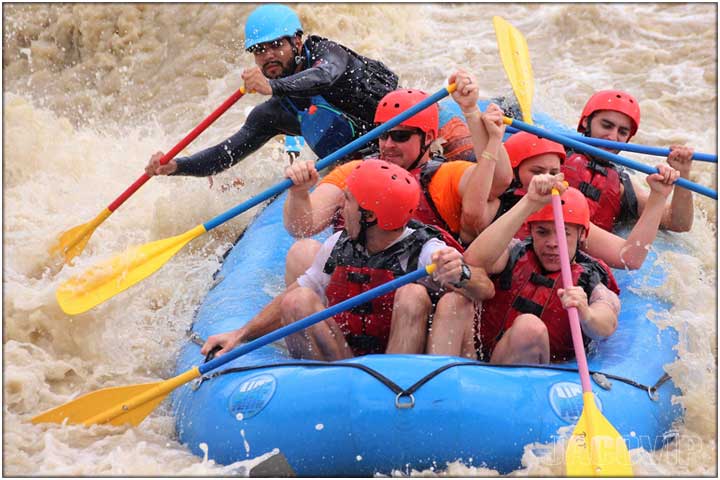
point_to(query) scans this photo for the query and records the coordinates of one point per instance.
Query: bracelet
(474, 113)
(488, 156)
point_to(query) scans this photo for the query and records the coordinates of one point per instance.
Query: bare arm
(480, 181)
(678, 213)
(630, 253)
(479, 287)
(599, 316)
(489, 249)
(474, 189)
(486, 131)
(492, 172)
(306, 213)
(448, 263)
(268, 320)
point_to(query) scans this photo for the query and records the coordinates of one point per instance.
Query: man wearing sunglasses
(453, 192)
(318, 89)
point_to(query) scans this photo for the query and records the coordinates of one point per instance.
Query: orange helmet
(523, 145)
(574, 206)
(387, 190)
(397, 101)
(615, 100)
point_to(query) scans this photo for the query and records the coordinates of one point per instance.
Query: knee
(412, 299)
(455, 303)
(453, 308)
(297, 303)
(529, 331)
(299, 258)
(303, 247)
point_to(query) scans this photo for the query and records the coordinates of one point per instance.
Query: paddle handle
(333, 157)
(180, 145)
(317, 317)
(631, 147)
(611, 157)
(567, 283)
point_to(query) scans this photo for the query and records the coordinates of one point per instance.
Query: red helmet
(387, 190)
(616, 101)
(397, 101)
(523, 145)
(574, 206)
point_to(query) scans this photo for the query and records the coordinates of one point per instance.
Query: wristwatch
(465, 275)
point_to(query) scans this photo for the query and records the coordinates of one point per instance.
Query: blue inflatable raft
(379, 413)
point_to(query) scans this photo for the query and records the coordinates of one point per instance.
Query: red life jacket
(353, 271)
(601, 183)
(508, 199)
(524, 287)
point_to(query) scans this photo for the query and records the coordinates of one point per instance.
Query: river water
(91, 90)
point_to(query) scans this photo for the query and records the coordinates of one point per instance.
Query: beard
(285, 70)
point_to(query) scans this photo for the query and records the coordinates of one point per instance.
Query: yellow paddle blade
(596, 449)
(106, 279)
(516, 61)
(72, 242)
(116, 405)
(89, 405)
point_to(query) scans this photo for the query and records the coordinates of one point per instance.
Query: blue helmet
(270, 22)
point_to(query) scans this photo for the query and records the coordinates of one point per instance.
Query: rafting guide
(318, 89)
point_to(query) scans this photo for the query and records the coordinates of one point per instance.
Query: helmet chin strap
(423, 149)
(364, 225)
(296, 59)
(587, 132)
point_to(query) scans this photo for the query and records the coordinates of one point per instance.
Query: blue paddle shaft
(611, 157)
(631, 147)
(330, 159)
(314, 318)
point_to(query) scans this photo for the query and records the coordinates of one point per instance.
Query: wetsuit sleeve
(264, 122)
(329, 62)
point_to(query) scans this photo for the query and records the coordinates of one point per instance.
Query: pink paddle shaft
(177, 148)
(567, 283)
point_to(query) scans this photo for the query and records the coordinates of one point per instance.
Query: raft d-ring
(195, 384)
(653, 394)
(399, 404)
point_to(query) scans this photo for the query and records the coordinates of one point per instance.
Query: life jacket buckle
(537, 279)
(525, 305)
(362, 309)
(590, 191)
(358, 277)
(596, 167)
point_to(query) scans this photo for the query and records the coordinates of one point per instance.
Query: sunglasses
(399, 136)
(262, 47)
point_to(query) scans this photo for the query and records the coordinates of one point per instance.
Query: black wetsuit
(348, 81)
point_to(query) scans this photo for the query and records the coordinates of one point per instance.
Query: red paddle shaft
(177, 148)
